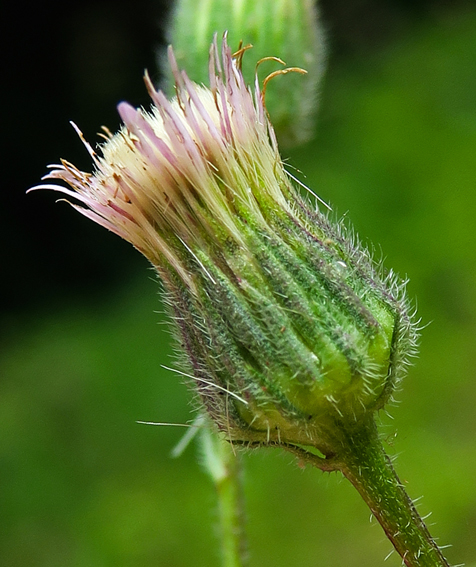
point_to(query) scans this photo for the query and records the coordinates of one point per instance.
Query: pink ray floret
(173, 173)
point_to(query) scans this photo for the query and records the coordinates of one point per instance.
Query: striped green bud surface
(289, 329)
(296, 327)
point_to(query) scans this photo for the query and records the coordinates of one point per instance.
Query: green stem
(230, 503)
(225, 468)
(364, 462)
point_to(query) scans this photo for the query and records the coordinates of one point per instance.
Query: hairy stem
(362, 459)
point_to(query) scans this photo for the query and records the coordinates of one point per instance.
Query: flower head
(289, 329)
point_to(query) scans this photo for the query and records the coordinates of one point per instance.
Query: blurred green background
(82, 484)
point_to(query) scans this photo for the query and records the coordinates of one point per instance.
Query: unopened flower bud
(288, 29)
(290, 331)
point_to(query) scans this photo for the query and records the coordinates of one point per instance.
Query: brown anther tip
(279, 72)
(270, 58)
(148, 83)
(238, 55)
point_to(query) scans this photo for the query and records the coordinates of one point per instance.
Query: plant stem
(225, 468)
(364, 462)
(230, 503)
